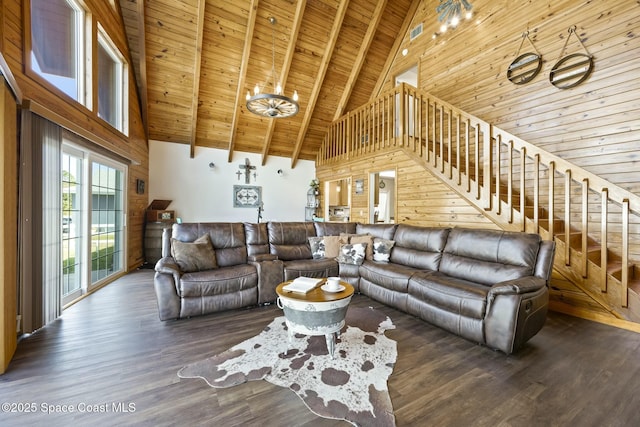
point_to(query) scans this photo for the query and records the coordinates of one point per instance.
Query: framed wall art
(139, 186)
(247, 196)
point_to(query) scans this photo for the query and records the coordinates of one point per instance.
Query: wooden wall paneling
(8, 224)
(569, 123)
(421, 198)
(600, 108)
(132, 146)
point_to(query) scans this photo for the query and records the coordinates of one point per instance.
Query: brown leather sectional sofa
(488, 286)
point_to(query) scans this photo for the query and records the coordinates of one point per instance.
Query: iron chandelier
(272, 105)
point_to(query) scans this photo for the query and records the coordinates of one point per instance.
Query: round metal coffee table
(317, 312)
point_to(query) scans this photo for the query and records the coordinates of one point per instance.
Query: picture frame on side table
(247, 196)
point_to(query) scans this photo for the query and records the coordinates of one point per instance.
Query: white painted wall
(203, 194)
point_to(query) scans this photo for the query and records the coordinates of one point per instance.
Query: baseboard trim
(596, 317)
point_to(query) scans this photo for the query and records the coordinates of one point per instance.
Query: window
(61, 40)
(111, 83)
(57, 44)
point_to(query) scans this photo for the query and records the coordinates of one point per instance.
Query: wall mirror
(338, 200)
(382, 197)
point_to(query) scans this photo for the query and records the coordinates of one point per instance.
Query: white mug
(333, 283)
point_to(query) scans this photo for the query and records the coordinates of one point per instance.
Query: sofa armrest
(522, 285)
(516, 311)
(270, 275)
(166, 282)
(262, 257)
(168, 265)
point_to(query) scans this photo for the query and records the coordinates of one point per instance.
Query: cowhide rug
(351, 387)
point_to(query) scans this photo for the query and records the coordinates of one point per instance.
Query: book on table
(302, 285)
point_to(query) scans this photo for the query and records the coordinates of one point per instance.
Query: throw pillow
(196, 256)
(332, 246)
(360, 238)
(382, 249)
(352, 253)
(317, 247)
(325, 246)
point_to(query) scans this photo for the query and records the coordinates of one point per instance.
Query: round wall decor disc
(524, 68)
(571, 70)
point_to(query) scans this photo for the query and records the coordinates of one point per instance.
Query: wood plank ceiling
(195, 60)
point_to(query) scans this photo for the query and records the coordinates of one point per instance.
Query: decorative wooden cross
(247, 171)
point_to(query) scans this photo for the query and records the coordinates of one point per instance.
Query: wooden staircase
(518, 186)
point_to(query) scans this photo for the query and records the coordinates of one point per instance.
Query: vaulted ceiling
(195, 60)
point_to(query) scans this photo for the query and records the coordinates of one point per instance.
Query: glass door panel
(107, 246)
(72, 230)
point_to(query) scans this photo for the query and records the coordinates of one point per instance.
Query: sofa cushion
(289, 240)
(382, 249)
(458, 296)
(489, 256)
(257, 238)
(319, 268)
(394, 277)
(227, 239)
(334, 228)
(352, 253)
(325, 246)
(194, 256)
(332, 246)
(419, 247)
(218, 282)
(384, 231)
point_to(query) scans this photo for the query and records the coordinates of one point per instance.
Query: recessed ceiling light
(405, 51)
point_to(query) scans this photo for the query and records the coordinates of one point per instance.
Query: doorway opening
(382, 197)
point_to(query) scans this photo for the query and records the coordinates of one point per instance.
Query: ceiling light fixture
(450, 13)
(272, 105)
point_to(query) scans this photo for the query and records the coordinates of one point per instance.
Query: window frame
(83, 30)
(122, 81)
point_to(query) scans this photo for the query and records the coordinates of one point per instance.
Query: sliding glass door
(93, 227)
(107, 245)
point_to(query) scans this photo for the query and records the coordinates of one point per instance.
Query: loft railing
(594, 222)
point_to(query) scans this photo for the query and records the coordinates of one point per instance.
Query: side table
(317, 312)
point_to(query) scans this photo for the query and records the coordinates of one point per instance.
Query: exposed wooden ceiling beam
(315, 92)
(295, 29)
(359, 61)
(395, 49)
(142, 64)
(251, 24)
(196, 78)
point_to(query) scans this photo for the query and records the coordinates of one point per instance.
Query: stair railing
(518, 185)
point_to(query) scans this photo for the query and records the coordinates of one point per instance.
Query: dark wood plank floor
(110, 352)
